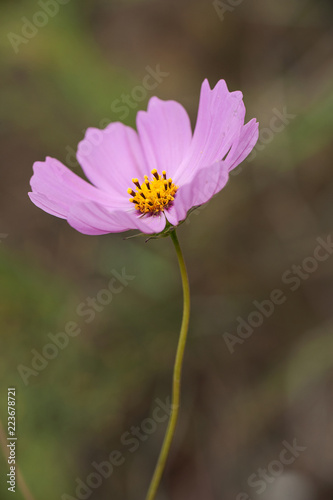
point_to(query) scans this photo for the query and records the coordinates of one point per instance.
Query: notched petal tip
(154, 101)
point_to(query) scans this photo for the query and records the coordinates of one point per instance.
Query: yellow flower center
(154, 195)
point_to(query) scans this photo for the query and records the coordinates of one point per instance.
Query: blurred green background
(237, 408)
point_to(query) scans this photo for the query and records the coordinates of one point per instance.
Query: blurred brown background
(240, 408)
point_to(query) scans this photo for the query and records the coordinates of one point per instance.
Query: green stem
(176, 375)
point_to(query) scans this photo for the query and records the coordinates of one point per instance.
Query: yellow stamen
(136, 182)
(153, 195)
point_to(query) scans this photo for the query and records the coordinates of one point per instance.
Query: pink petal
(55, 188)
(94, 218)
(247, 140)
(207, 182)
(149, 225)
(165, 134)
(50, 206)
(220, 117)
(111, 157)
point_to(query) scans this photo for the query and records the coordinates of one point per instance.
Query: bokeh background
(238, 408)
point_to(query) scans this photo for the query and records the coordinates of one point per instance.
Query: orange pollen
(153, 195)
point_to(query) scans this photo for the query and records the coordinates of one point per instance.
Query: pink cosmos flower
(151, 178)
